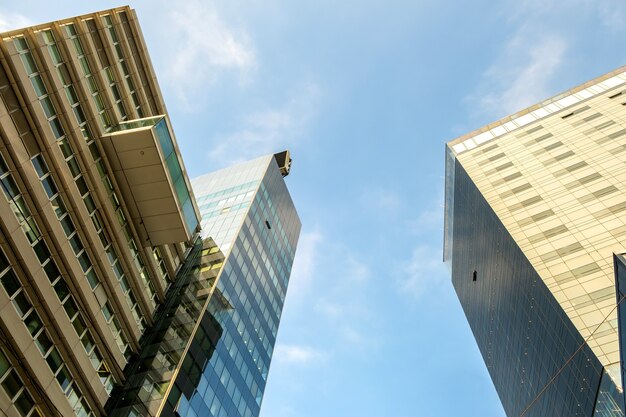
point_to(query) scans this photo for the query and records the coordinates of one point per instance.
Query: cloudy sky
(364, 94)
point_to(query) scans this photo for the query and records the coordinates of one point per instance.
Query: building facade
(247, 209)
(112, 300)
(533, 215)
(210, 352)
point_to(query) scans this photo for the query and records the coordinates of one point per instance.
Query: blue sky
(364, 94)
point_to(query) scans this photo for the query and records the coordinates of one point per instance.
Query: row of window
(61, 289)
(119, 52)
(73, 165)
(77, 246)
(164, 276)
(21, 400)
(70, 159)
(104, 63)
(13, 107)
(104, 176)
(103, 113)
(251, 185)
(141, 70)
(24, 307)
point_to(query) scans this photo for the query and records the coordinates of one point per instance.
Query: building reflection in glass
(183, 315)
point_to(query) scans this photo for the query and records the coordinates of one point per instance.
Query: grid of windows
(74, 314)
(119, 52)
(161, 268)
(254, 281)
(72, 162)
(558, 194)
(108, 70)
(96, 95)
(537, 359)
(71, 233)
(21, 400)
(25, 310)
(136, 55)
(70, 159)
(115, 201)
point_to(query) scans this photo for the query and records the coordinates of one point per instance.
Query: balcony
(152, 180)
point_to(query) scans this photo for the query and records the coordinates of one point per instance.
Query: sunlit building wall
(112, 302)
(535, 209)
(83, 268)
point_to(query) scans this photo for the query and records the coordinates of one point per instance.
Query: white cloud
(356, 270)
(296, 354)
(381, 198)
(304, 265)
(269, 130)
(423, 273)
(430, 220)
(346, 303)
(528, 67)
(205, 47)
(612, 13)
(522, 76)
(342, 299)
(360, 341)
(10, 21)
(351, 320)
(329, 309)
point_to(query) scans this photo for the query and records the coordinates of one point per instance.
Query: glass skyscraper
(247, 210)
(210, 352)
(113, 300)
(533, 214)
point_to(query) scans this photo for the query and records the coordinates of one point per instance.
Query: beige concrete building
(554, 177)
(96, 210)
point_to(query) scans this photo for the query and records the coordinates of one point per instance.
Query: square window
(10, 282)
(12, 384)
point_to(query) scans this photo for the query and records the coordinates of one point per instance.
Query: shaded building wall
(253, 284)
(619, 262)
(539, 363)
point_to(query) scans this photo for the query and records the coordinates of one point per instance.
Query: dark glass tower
(532, 218)
(210, 351)
(252, 201)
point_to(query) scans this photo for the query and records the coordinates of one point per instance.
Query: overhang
(152, 180)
